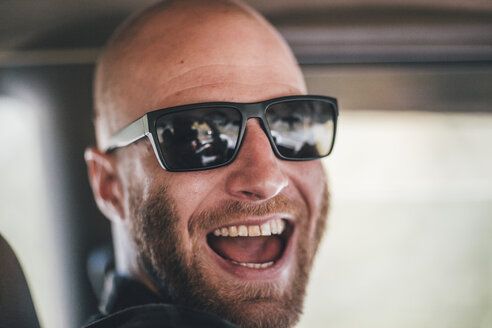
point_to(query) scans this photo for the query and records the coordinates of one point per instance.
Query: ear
(105, 182)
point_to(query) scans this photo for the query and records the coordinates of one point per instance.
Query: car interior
(409, 238)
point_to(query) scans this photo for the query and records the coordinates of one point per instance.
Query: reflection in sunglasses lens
(302, 129)
(198, 138)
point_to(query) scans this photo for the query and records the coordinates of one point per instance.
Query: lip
(244, 273)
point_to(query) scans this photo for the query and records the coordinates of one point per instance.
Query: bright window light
(25, 219)
(410, 231)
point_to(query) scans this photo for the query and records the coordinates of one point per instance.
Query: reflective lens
(198, 138)
(302, 129)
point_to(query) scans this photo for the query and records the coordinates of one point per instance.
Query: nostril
(251, 195)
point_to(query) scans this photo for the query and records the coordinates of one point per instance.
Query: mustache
(233, 210)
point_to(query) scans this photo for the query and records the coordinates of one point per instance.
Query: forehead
(186, 60)
(229, 58)
(237, 82)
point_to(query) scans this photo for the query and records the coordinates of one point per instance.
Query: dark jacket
(127, 303)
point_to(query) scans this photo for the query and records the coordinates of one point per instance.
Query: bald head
(187, 51)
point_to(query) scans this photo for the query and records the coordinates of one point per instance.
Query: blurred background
(410, 230)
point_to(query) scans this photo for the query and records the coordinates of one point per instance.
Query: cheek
(192, 191)
(134, 174)
(146, 172)
(309, 180)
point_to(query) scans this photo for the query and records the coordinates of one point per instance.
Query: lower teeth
(255, 265)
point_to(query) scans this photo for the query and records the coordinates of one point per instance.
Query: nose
(256, 172)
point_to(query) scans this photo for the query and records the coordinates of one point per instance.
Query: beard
(172, 255)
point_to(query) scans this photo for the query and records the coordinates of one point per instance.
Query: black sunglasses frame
(145, 126)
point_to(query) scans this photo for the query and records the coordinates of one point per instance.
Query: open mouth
(252, 246)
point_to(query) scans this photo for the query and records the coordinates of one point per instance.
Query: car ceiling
(34, 32)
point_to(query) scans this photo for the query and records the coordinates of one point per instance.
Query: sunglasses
(209, 135)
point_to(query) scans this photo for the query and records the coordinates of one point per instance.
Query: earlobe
(105, 183)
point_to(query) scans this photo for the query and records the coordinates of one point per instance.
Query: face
(237, 240)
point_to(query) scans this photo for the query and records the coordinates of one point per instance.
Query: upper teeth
(273, 227)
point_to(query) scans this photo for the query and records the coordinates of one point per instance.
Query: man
(204, 221)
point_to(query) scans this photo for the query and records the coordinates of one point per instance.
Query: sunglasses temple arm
(129, 134)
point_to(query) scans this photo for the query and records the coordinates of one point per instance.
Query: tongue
(247, 249)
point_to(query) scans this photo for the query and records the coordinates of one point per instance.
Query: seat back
(16, 306)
